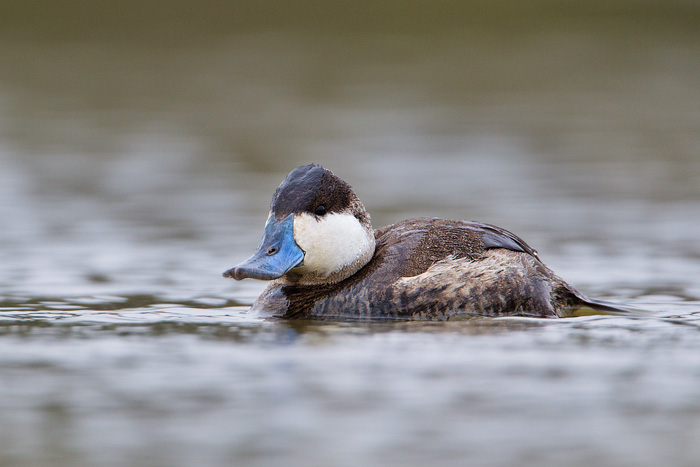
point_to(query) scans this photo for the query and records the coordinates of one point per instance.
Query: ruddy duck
(326, 261)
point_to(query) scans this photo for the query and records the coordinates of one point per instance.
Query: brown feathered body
(435, 269)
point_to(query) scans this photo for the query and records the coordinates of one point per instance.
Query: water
(139, 149)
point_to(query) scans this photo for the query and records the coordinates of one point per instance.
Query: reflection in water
(139, 145)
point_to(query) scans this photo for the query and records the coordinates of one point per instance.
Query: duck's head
(318, 232)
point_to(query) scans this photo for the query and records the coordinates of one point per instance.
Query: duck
(324, 260)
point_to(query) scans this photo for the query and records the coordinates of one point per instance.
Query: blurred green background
(265, 85)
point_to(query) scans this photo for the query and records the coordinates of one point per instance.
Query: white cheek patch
(332, 242)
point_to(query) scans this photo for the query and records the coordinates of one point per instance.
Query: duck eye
(320, 210)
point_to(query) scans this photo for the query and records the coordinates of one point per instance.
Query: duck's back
(433, 269)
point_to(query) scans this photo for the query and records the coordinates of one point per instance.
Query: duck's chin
(335, 247)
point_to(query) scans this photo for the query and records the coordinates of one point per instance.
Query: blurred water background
(140, 143)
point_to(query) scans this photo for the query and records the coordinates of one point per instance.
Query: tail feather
(578, 304)
(602, 305)
(605, 306)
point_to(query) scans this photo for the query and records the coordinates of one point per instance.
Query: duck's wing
(423, 241)
(496, 237)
